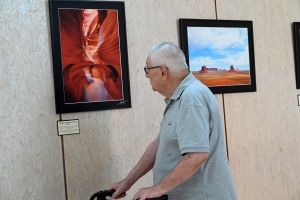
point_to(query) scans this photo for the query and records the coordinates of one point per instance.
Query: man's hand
(121, 188)
(149, 192)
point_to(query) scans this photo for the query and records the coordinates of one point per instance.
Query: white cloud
(198, 62)
(241, 59)
(217, 38)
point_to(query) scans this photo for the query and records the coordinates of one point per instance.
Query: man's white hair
(168, 54)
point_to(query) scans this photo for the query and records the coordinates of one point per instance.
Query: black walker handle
(104, 193)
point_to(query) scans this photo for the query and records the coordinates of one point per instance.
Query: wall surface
(30, 150)
(262, 127)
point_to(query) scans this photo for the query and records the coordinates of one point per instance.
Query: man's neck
(172, 85)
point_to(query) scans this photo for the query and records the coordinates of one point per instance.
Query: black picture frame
(90, 58)
(210, 41)
(296, 36)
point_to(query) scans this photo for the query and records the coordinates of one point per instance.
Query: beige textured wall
(30, 150)
(262, 127)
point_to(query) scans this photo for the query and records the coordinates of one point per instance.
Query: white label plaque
(68, 127)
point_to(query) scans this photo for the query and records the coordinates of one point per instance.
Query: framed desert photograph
(89, 51)
(296, 35)
(220, 53)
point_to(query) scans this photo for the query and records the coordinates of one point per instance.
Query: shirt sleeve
(157, 138)
(193, 129)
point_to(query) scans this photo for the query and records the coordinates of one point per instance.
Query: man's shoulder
(197, 90)
(197, 94)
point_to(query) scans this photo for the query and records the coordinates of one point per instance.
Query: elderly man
(188, 156)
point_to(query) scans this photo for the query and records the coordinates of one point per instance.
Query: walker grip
(104, 193)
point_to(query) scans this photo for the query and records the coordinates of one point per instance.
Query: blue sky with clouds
(218, 48)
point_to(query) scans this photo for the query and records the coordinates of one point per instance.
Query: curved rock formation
(90, 40)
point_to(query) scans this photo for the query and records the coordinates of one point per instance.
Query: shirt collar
(181, 87)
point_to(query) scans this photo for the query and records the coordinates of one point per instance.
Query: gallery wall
(31, 164)
(262, 127)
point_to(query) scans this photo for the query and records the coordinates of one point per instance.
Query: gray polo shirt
(192, 123)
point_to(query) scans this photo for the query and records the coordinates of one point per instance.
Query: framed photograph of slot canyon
(89, 52)
(220, 53)
(296, 35)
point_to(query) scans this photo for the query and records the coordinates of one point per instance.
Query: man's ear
(164, 72)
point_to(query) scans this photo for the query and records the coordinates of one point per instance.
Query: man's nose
(146, 75)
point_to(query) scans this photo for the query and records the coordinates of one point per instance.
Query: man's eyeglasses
(147, 68)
